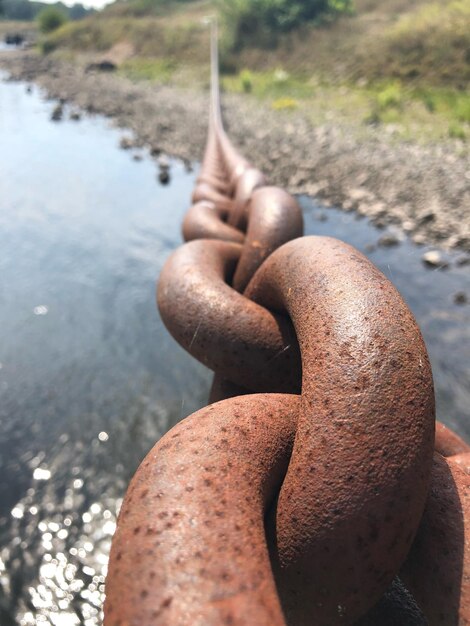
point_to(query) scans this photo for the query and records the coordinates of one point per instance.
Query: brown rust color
(242, 341)
(365, 434)
(190, 548)
(437, 570)
(356, 483)
(449, 443)
(299, 510)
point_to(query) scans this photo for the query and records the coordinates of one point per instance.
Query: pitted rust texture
(359, 345)
(437, 570)
(190, 548)
(274, 218)
(292, 510)
(449, 443)
(242, 341)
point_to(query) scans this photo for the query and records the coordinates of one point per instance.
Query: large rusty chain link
(319, 477)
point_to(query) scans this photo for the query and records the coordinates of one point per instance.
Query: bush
(429, 44)
(50, 19)
(258, 22)
(390, 97)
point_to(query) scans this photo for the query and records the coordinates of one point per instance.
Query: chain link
(300, 496)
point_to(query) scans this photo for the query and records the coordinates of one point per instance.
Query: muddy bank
(425, 190)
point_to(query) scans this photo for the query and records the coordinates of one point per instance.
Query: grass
(159, 70)
(399, 64)
(430, 43)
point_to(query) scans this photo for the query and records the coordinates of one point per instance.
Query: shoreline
(424, 190)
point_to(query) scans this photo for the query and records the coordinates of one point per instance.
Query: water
(89, 378)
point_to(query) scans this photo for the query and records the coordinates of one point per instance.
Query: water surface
(89, 378)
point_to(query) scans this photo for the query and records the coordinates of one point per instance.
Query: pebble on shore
(434, 259)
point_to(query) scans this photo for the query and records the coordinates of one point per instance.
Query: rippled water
(89, 378)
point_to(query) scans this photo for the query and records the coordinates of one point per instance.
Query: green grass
(430, 44)
(398, 63)
(160, 70)
(273, 84)
(150, 37)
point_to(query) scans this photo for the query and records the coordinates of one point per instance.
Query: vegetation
(51, 18)
(401, 64)
(432, 43)
(259, 22)
(25, 10)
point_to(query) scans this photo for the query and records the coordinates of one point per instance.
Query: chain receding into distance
(315, 488)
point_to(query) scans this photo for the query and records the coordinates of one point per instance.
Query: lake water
(89, 377)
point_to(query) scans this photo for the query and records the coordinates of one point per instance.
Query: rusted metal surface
(301, 507)
(242, 341)
(190, 548)
(437, 570)
(449, 443)
(359, 345)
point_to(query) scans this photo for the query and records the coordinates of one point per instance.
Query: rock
(379, 222)
(433, 258)
(419, 239)
(75, 116)
(463, 260)
(14, 39)
(377, 209)
(408, 226)
(370, 248)
(356, 195)
(57, 113)
(388, 241)
(101, 66)
(164, 176)
(427, 217)
(313, 189)
(155, 151)
(460, 297)
(126, 143)
(137, 157)
(29, 89)
(163, 163)
(321, 216)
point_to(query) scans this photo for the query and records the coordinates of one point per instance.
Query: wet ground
(89, 378)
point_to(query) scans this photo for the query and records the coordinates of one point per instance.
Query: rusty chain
(319, 475)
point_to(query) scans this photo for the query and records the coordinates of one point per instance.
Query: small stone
(460, 297)
(370, 248)
(388, 241)
(163, 163)
(427, 217)
(75, 116)
(155, 151)
(408, 226)
(433, 258)
(379, 222)
(463, 260)
(137, 157)
(164, 177)
(321, 216)
(126, 143)
(359, 194)
(57, 113)
(419, 239)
